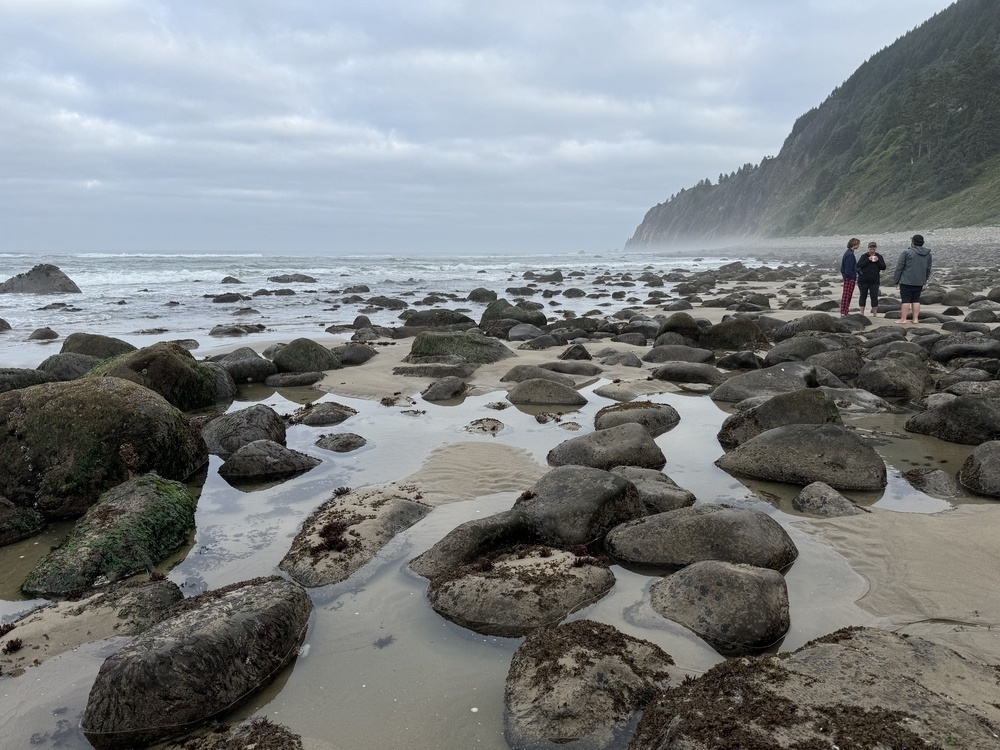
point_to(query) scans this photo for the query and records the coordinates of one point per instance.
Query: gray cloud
(397, 127)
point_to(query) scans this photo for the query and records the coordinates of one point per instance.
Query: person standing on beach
(912, 271)
(849, 272)
(870, 267)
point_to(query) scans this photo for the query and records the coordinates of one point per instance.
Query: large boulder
(472, 347)
(544, 392)
(265, 461)
(95, 345)
(820, 499)
(439, 317)
(510, 594)
(42, 279)
(656, 418)
(899, 375)
(68, 365)
(795, 349)
(677, 353)
(227, 434)
(130, 529)
(804, 406)
(246, 366)
(18, 523)
(789, 376)
(13, 378)
(812, 322)
(170, 370)
(671, 540)
(305, 355)
(628, 444)
(212, 655)
(732, 334)
(579, 685)
(574, 505)
(501, 309)
(323, 414)
(969, 420)
(657, 492)
(981, 470)
(66, 443)
(520, 373)
(688, 372)
(855, 688)
(736, 609)
(803, 454)
(348, 530)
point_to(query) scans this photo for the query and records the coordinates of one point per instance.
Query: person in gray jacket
(912, 271)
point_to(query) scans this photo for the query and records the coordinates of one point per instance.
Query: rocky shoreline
(804, 387)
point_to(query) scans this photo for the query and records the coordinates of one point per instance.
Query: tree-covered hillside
(911, 139)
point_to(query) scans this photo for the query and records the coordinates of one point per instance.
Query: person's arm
(900, 265)
(863, 262)
(881, 261)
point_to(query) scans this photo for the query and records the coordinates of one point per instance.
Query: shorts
(909, 293)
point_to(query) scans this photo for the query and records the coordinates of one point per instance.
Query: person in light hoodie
(912, 271)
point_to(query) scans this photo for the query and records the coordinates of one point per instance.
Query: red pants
(845, 298)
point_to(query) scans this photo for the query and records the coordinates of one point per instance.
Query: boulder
(671, 540)
(170, 370)
(509, 594)
(683, 324)
(580, 685)
(843, 363)
(212, 655)
(573, 367)
(969, 420)
(439, 317)
(42, 279)
(795, 349)
(934, 482)
(855, 688)
(293, 379)
(292, 278)
(305, 355)
(790, 376)
(656, 418)
(737, 609)
(130, 529)
(348, 530)
(501, 309)
(628, 444)
(323, 414)
(64, 444)
(524, 332)
(657, 492)
(957, 345)
(13, 378)
(43, 334)
(66, 366)
(981, 470)
(858, 401)
(18, 523)
(354, 353)
(470, 346)
(818, 321)
(732, 334)
(820, 499)
(264, 461)
(343, 442)
(688, 372)
(804, 406)
(520, 373)
(246, 366)
(95, 345)
(898, 375)
(803, 454)
(674, 353)
(544, 392)
(227, 434)
(574, 505)
(745, 360)
(253, 734)
(444, 389)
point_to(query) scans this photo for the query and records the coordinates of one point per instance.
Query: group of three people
(912, 271)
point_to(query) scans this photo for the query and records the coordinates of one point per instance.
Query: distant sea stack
(42, 279)
(911, 140)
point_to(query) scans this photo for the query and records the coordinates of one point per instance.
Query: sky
(401, 128)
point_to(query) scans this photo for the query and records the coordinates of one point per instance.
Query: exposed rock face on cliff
(42, 279)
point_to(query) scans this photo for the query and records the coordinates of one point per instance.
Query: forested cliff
(912, 138)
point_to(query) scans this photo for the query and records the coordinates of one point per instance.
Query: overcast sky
(397, 127)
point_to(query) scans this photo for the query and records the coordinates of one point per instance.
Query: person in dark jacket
(870, 267)
(912, 271)
(849, 272)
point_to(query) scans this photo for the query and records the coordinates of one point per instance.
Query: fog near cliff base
(142, 125)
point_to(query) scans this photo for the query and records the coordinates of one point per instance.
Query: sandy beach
(915, 564)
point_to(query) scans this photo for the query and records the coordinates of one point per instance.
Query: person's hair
(918, 240)
(853, 242)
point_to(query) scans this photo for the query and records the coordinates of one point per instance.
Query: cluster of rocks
(104, 432)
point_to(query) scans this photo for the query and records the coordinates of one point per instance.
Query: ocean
(144, 298)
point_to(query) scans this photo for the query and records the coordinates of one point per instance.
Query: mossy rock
(305, 355)
(502, 309)
(66, 443)
(130, 529)
(18, 523)
(472, 347)
(170, 370)
(95, 345)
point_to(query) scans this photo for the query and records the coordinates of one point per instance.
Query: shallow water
(380, 668)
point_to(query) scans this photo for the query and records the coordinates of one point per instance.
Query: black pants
(868, 288)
